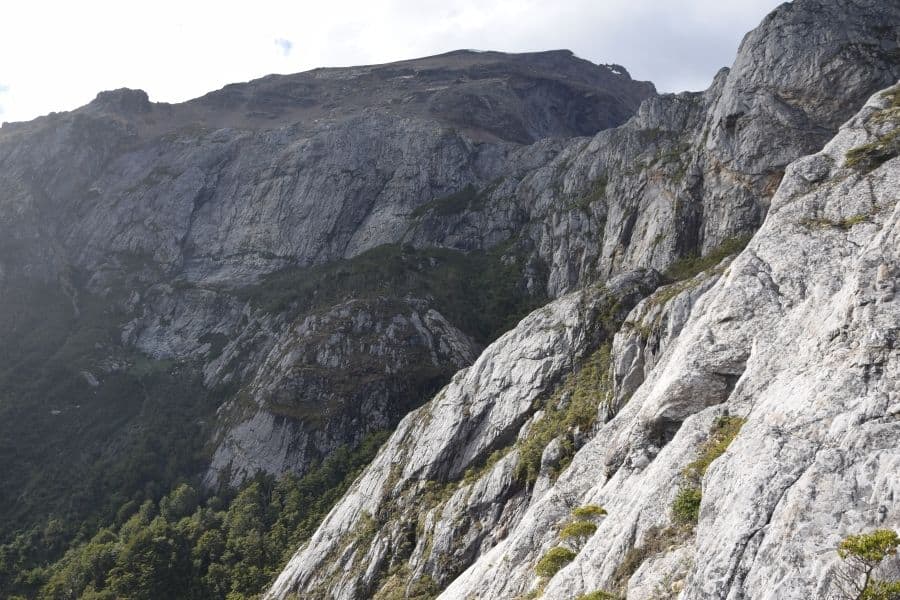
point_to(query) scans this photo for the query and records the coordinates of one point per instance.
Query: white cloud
(177, 50)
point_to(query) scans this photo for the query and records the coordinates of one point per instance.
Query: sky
(56, 55)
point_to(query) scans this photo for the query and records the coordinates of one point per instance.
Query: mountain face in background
(258, 240)
(232, 286)
(261, 282)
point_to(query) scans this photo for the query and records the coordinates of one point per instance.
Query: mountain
(230, 286)
(476, 490)
(259, 284)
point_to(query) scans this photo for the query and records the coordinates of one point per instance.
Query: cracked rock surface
(803, 325)
(796, 337)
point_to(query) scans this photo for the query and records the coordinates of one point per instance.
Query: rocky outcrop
(796, 339)
(300, 243)
(172, 211)
(329, 379)
(295, 169)
(416, 513)
(691, 171)
(789, 345)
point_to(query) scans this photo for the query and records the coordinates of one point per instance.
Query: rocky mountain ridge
(798, 355)
(405, 534)
(261, 256)
(258, 273)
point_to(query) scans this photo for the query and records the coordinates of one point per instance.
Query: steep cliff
(733, 353)
(786, 356)
(270, 275)
(248, 244)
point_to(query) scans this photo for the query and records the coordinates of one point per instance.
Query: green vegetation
(475, 472)
(585, 389)
(589, 511)
(467, 199)
(214, 549)
(584, 526)
(863, 554)
(843, 224)
(723, 432)
(683, 271)
(398, 586)
(868, 157)
(82, 444)
(480, 292)
(598, 595)
(595, 193)
(689, 266)
(676, 156)
(554, 560)
(656, 540)
(871, 547)
(893, 95)
(575, 533)
(578, 531)
(686, 507)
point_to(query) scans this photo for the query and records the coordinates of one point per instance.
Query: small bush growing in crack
(691, 265)
(723, 432)
(554, 560)
(578, 531)
(589, 511)
(586, 388)
(686, 507)
(656, 540)
(598, 595)
(864, 556)
(868, 157)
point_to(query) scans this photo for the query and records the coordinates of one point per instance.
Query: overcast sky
(56, 55)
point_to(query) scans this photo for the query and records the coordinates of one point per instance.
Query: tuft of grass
(689, 266)
(578, 530)
(476, 472)
(843, 224)
(723, 432)
(554, 560)
(587, 388)
(400, 585)
(686, 507)
(589, 511)
(656, 540)
(597, 192)
(598, 595)
(868, 157)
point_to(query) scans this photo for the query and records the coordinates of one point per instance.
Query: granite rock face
(693, 170)
(773, 340)
(794, 337)
(324, 250)
(215, 226)
(417, 486)
(347, 369)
